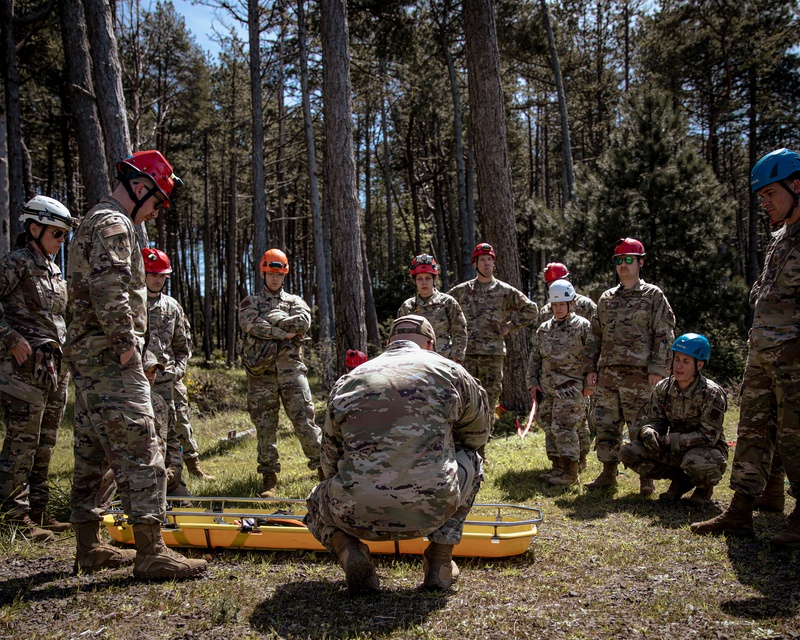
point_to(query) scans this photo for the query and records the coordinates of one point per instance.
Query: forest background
(356, 135)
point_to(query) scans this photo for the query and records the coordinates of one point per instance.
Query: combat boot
(608, 478)
(555, 470)
(269, 481)
(646, 486)
(46, 521)
(194, 469)
(440, 570)
(736, 520)
(568, 476)
(701, 497)
(773, 497)
(358, 568)
(93, 554)
(30, 529)
(156, 561)
(789, 536)
(680, 484)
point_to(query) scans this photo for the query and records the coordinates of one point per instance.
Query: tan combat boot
(30, 529)
(608, 478)
(773, 497)
(440, 570)
(701, 496)
(789, 536)
(555, 471)
(46, 521)
(269, 481)
(647, 487)
(358, 568)
(680, 484)
(736, 520)
(194, 469)
(156, 561)
(568, 476)
(93, 554)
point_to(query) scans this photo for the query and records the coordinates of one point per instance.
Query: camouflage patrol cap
(149, 361)
(421, 327)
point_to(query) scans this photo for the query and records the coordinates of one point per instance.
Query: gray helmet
(47, 211)
(561, 291)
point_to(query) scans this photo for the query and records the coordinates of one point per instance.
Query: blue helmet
(693, 344)
(774, 167)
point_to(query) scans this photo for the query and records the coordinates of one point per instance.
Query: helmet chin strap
(795, 203)
(38, 241)
(137, 203)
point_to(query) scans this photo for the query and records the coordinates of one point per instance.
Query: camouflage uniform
(487, 308)
(183, 427)
(447, 320)
(113, 412)
(556, 365)
(770, 397)
(631, 336)
(693, 419)
(34, 298)
(399, 449)
(276, 373)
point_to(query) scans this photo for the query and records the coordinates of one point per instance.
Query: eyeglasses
(159, 202)
(58, 233)
(625, 259)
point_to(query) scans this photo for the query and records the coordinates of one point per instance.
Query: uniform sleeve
(522, 311)
(10, 277)
(594, 337)
(299, 318)
(663, 328)
(458, 332)
(109, 282)
(332, 448)
(258, 327)
(405, 308)
(654, 414)
(181, 344)
(534, 361)
(471, 430)
(187, 329)
(715, 404)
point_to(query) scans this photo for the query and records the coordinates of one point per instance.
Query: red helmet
(555, 271)
(424, 263)
(155, 166)
(628, 247)
(481, 249)
(156, 261)
(274, 261)
(354, 358)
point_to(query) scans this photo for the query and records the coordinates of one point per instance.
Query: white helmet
(47, 211)
(561, 291)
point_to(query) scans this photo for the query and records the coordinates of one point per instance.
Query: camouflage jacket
(34, 299)
(487, 307)
(632, 328)
(581, 306)
(693, 417)
(776, 294)
(447, 320)
(265, 318)
(105, 277)
(556, 359)
(168, 340)
(391, 433)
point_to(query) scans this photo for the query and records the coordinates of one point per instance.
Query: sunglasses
(625, 259)
(58, 233)
(159, 202)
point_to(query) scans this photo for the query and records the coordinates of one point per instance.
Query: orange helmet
(555, 271)
(156, 261)
(153, 165)
(274, 261)
(628, 247)
(483, 248)
(424, 263)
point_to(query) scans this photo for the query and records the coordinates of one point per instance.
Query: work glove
(650, 439)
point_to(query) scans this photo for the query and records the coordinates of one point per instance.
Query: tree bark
(260, 235)
(342, 198)
(16, 186)
(231, 251)
(5, 229)
(387, 172)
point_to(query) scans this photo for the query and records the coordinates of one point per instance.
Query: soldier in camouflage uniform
(585, 308)
(400, 456)
(274, 324)
(680, 433)
(626, 354)
(114, 424)
(33, 382)
(441, 310)
(770, 396)
(493, 309)
(555, 378)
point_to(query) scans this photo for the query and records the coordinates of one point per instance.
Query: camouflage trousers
(114, 427)
(322, 523)
(769, 419)
(489, 372)
(183, 426)
(31, 430)
(173, 458)
(563, 420)
(286, 384)
(622, 393)
(704, 465)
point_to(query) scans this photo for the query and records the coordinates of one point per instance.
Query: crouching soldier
(680, 433)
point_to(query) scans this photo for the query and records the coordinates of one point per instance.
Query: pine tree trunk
(16, 186)
(260, 235)
(5, 239)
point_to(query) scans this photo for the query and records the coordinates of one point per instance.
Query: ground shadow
(523, 484)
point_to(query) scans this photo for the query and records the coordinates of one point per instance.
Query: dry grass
(605, 565)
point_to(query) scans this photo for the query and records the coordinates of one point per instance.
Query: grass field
(604, 565)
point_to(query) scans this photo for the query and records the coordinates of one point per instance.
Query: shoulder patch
(116, 243)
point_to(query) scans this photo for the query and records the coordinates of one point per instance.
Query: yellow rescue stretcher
(491, 531)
